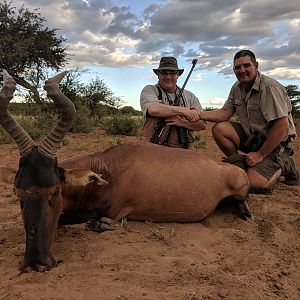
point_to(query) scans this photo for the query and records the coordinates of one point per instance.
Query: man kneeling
(266, 130)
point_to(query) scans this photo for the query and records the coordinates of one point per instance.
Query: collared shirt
(265, 102)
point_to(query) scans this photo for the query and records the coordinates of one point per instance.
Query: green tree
(294, 94)
(71, 86)
(96, 98)
(27, 47)
(96, 92)
(129, 110)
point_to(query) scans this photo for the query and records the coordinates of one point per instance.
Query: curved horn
(21, 137)
(65, 106)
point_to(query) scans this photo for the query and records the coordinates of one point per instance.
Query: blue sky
(122, 41)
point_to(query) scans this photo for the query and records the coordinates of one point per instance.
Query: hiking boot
(292, 176)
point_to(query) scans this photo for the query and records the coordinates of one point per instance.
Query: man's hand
(191, 114)
(218, 115)
(175, 121)
(253, 158)
(183, 122)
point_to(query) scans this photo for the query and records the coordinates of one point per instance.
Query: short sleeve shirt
(150, 94)
(265, 102)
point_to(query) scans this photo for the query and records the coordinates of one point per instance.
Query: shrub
(83, 122)
(29, 124)
(5, 138)
(121, 125)
(199, 143)
(129, 110)
(80, 147)
(65, 141)
(114, 142)
(44, 122)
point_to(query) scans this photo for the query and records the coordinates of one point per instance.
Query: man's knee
(219, 129)
(225, 130)
(226, 137)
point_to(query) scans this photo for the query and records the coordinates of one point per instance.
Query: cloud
(197, 77)
(284, 73)
(101, 33)
(215, 102)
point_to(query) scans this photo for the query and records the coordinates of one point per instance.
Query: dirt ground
(222, 257)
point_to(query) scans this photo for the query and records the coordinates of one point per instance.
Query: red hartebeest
(140, 181)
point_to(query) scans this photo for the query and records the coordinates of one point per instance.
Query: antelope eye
(53, 197)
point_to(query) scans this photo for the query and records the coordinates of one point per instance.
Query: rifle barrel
(194, 62)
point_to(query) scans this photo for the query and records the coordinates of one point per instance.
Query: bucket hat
(168, 63)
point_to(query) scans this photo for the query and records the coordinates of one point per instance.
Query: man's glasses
(166, 73)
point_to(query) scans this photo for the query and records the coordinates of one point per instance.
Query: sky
(121, 41)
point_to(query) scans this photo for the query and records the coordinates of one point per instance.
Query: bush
(121, 125)
(199, 143)
(33, 126)
(129, 110)
(114, 142)
(5, 138)
(40, 125)
(44, 123)
(83, 122)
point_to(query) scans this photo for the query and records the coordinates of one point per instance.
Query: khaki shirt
(265, 102)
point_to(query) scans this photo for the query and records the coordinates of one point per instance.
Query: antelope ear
(7, 175)
(82, 177)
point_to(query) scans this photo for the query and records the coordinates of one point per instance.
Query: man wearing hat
(157, 103)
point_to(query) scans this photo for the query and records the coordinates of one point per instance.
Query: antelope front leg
(103, 224)
(245, 211)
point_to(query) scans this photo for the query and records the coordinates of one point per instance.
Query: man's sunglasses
(168, 73)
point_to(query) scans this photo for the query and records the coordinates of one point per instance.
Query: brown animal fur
(147, 181)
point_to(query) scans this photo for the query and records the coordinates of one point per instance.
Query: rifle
(162, 130)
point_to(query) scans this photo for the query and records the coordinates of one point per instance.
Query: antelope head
(37, 182)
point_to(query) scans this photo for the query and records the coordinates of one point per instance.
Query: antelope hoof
(101, 225)
(245, 212)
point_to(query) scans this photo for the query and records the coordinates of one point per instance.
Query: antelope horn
(65, 106)
(21, 137)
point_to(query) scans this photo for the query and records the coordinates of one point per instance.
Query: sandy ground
(222, 257)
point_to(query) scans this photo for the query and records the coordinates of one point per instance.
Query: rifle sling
(176, 102)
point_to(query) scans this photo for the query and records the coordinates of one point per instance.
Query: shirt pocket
(254, 112)
(240, 108)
